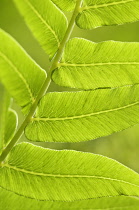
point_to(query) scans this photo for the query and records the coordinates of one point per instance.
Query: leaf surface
(84, 115)
(46, 21)
(8, 119)
(21, 76)
(65, 5)
(45, 174)
(96, 13)
(11, 200)
(89, 65)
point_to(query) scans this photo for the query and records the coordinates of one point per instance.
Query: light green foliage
(96, 13)
(10, 127)
(32, 177)
(85, 115)
(13, 201)
(89, 65)
(66, 5)
(21, 76)
(8, 119)
(64, 175)
(46, 21)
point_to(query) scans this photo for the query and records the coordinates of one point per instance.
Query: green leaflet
(11, 201)
(8, 119)
(89, 65)
(21, 76)
(96, 13)
(45, 174)
(65, 5)
(46, 21)
(85, 115)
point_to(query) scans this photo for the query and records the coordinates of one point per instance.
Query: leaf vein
(19, 74)
(43, 21)
(85, 115)
(105, 5)
(65, 175)
(97, 64)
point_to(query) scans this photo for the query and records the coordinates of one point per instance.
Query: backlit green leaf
(12, 201)
(8, 119)
(85, 115)
(21, 76)
(66, 5)
(46, 21)
(96, 13)
(89, 65)
(46, 174)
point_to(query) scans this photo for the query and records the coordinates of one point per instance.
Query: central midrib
(65, 175)
(96, 6)
(43, 21)
(83, 116)
(19, 75)
(97, 64)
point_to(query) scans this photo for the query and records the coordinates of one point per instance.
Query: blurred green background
(123, 146)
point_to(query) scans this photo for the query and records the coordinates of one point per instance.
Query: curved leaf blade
(107, 12)
(84, 115)
(21, 76)
(11, 125)
(45, 174)
(47, 23)
(89, 65)
(11, 200)
(8, 119)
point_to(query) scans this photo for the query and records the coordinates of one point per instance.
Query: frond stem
(46, 84)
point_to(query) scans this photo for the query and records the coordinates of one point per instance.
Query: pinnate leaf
(10, 200)
(8, 119)
(96, 13)
(21, 76)
(89, 65)
(46, 21)
(84, 115)
(45, 174)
